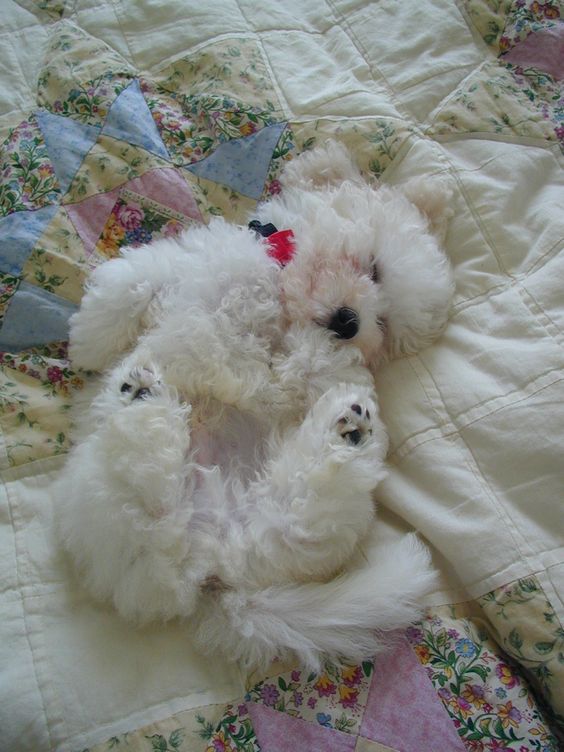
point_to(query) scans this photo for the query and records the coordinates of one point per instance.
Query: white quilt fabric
(476, 421)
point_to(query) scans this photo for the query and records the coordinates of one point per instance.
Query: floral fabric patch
(193, 125)
(530, 632)
(504, 23)
(217, 200)
(506, 96)
(374, 141)
(36, 386)
(53, 8)
(490, 702)
(232, 69)
(58, 263)
(284, 150)
(27, 177)
(89, 102)
(200, 101)
(489, 18)
(527, 17)
(214, 728)
(135, 220)
(501, 100)
(108, 165)
(334, 698)
(82, 75)
(232, 733)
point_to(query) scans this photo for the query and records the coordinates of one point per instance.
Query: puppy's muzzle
(344, 322)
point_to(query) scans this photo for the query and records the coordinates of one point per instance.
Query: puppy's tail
(344, 619)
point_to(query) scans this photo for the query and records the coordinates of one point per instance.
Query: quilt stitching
(539, 313)
(19, 547)
(363, 53)
(521, 543)
(410, 443)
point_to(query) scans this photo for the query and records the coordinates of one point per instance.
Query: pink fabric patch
(163, 185)
(543, 50)
(280, 732)
(403, 709)
(89, 217)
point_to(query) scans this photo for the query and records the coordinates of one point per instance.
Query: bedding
(126, 121)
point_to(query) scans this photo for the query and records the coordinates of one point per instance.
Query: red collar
(281, 246)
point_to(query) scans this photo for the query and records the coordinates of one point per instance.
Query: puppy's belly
(228, 439)
(228, 450)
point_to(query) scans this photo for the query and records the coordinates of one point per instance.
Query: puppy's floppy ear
(433, 197)
(416, 278)
(325, 165)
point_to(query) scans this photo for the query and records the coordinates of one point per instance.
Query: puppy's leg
(117, 302)
(146, 434)
(315, 500)
(343, 443)
(124, 498)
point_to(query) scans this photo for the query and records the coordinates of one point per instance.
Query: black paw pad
(142, 393)
(354, 436)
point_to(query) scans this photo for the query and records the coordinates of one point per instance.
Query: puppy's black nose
(344, 322)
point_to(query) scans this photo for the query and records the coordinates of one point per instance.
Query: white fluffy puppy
(223, 467)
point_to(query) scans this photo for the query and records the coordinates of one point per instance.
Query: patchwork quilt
(121, 122)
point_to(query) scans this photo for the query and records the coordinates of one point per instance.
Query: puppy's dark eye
(375, 275)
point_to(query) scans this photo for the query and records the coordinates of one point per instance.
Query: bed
(125, 121)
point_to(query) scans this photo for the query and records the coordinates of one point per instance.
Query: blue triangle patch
(68, 142)
(242, 163)
(18, 234)
(130, 120)
(35, 317)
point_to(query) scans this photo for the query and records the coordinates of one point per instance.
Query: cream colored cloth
(476, 421)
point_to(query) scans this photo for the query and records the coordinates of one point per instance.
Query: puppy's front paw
(344, 426)
(354, 425)
(141, 383)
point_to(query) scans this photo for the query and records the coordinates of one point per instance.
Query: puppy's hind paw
(142, 382)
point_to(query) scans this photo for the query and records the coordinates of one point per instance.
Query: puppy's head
(368, 266)
(333, 281)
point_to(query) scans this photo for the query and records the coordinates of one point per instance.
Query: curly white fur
(224, 462)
